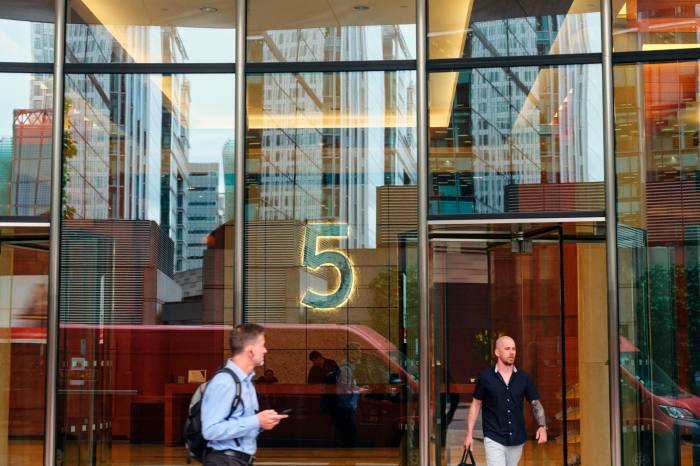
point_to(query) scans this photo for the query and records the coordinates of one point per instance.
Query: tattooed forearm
(538, 412)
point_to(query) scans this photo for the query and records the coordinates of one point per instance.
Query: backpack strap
(237, 399)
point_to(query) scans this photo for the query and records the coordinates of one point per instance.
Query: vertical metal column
(55, 236)
(611, 232)
(239, 175)
(423, 309)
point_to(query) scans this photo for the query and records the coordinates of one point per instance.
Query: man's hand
(468, 442)
(541, 435)
(269, 418)
(471, 421)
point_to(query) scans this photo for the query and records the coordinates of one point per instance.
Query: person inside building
(267, 377)
(321, 368)
(500, 391)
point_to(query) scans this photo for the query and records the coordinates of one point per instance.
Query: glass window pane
(25, 144)
(315, 31)
(331, 218)
(26, 32)
(146, 259)
(24, 266)
(506, 140)
(104, 31)
(655, 25)
(658, 253)
(488, 28)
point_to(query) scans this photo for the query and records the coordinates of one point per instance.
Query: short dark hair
(244, 335)
(314, 355)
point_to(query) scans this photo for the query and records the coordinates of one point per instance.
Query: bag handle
(466, 453)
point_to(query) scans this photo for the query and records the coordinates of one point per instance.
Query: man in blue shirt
(232, 437)
(500, 390)
(348, 395)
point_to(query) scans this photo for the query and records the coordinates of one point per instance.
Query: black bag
(195, 443)
(463, 461)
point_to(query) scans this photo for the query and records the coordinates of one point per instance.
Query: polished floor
(29, 453)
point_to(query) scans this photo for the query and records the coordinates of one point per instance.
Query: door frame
(547, 224)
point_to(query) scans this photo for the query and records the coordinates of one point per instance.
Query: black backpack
(195, 443)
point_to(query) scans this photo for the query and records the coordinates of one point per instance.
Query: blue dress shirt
(239, 431)
(347, 388)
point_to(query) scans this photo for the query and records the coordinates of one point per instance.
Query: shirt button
(509, 410)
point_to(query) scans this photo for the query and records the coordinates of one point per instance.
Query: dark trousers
(217, 459)
(345, 428)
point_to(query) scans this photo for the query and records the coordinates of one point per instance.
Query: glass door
(504, 282)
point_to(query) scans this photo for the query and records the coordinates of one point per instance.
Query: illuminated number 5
(313, 259)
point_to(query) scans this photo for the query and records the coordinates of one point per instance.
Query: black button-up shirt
(502, 405)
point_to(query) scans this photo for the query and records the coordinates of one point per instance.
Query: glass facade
(100, 31)
(315, 31)
(657, 168)
(331, 217)
(25, 144)
(516, 140)
(502, 28)
(395, 242)
(146, 161)
(24, 267)
(655, 26)
(26, 32)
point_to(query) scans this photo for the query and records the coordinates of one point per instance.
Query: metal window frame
(51, 385)
(611, 232)
(239, 175)
(426, 438)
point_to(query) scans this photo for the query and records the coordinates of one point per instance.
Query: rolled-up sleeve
(216, 407)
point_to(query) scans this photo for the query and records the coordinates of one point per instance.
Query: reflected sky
(14, 39)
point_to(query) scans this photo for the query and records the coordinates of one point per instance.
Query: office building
(392, 184)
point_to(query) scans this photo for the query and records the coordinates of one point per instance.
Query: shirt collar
(495, 369)
(238, 371)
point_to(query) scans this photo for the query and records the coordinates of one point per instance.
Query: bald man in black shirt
(500, 390)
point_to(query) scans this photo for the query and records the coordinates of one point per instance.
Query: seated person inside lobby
(321, 369)
(267, 377)
(500, 391)
(232, 436)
